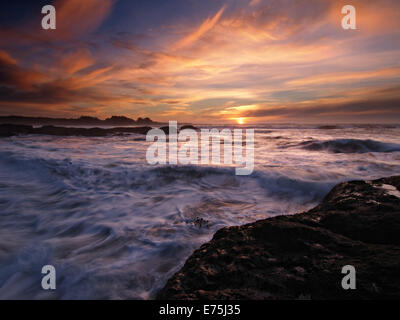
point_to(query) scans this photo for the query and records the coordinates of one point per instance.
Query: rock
(328, 127)
(145, 121)
(137, 130)
(8, 130)
(302, 255)
(165, 129)
(81, 121)
(119, 120)
(188, 126)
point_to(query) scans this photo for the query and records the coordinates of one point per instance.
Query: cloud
(76, 60)
(381, 109)
(341, 77)
(76, 17)
(22, 86)
(206, 26)
(6, 59)
(12, 75)
(261, 59)
(254, 2)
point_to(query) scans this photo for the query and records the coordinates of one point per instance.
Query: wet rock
(301, 256)
(201, 223)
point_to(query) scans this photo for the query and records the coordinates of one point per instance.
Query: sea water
(116, 227)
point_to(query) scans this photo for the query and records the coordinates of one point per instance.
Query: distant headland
(81, 121)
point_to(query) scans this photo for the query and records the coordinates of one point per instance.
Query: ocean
(116, 227)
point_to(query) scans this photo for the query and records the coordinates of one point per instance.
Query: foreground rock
(8, 130)
(301, 256)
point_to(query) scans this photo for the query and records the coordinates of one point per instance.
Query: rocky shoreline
(81, 121)
(301, 256)
(9, 130)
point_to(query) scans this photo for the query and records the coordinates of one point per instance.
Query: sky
(202, 61)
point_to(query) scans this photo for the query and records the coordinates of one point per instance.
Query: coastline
(301, 256)
(9, 130)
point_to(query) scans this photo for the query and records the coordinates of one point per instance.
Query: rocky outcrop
(189, 126)
(185, 127)
(8, 130)
(301, 256)
(81, 121)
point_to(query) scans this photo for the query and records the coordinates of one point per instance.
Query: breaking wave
(350, 146)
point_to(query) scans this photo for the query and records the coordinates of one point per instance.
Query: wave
(350, 146)
(58, 177)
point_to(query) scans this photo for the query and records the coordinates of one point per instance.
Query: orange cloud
(254, 2)
(78, 17)
(6, 58)
(89, 79)
(76, 60)
(372, 17)
(206, 26)
(346, 76)
(11, 74)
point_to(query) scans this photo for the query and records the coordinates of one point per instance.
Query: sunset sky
(202, 61)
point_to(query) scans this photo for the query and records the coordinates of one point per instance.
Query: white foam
(392, 190)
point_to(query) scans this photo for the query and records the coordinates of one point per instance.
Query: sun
(240, 120)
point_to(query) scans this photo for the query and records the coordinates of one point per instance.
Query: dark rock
(328, 127)
(7, 130)
(119, 120)
(145, 121)
(137, 130)
(301, 256)
(189, 127)
(81, 121)
(201, 223)
(165, 129)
